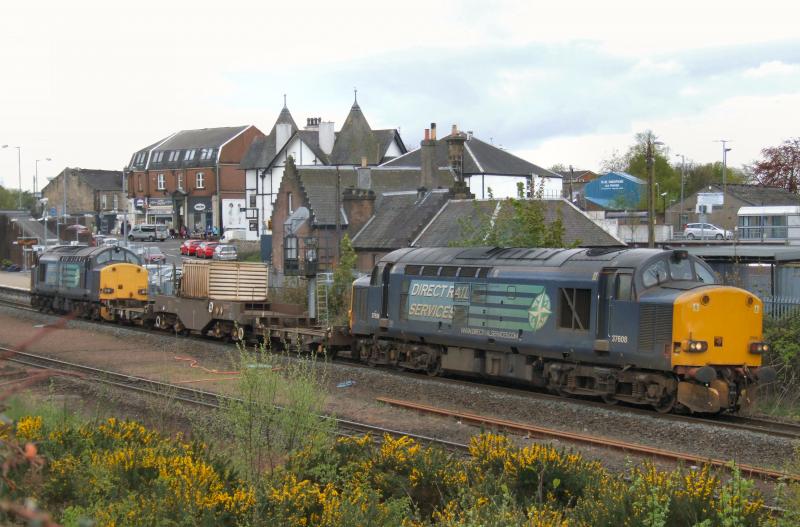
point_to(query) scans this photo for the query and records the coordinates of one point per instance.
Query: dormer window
(189, 155)
(206, 153)
(174, 155)
(158, 157)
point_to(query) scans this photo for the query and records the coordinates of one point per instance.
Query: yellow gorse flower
(29, 428)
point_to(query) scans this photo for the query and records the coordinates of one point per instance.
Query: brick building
(192, 178)
(89, 192)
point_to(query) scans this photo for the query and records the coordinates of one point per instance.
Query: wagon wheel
(666, 404)
(609, 399)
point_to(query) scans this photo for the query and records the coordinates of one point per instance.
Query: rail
(602, 442)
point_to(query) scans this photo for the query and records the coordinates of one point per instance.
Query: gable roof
(479, 158)
(100, 179)
(399, 219)
(319, 186)
(757, 195)
(446, 226)
(201, 138)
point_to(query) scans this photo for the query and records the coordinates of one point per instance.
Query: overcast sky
(89, 82)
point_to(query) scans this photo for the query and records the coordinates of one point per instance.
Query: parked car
(149, 254)
(189, 247)
(150, 233)
(206, 249)
(226, 252)
(705, 231)
(113, 242)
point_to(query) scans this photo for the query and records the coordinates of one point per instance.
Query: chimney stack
(359, 206)
(428, 163)
(455, 158)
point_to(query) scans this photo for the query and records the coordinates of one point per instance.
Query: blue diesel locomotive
(645, 326)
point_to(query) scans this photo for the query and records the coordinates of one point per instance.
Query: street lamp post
(725, 151)
(19, 173)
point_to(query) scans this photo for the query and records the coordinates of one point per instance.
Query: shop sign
(160, 205)
(199, 207)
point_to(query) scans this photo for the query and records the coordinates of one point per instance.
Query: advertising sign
(160, 205)
(710, 198)
(432, 300)
(199, 207)
(611, 183)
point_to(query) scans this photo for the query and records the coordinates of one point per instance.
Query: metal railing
(778, 307)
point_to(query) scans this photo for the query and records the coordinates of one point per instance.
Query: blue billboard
(616, 191)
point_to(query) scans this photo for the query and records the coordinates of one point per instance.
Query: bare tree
(780, 166)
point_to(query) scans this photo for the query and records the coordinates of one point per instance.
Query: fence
(778, 307)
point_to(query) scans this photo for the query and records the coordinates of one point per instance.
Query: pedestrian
(215, 231)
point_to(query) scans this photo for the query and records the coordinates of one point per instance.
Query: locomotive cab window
(703, 274)
(575, 308)
(623, 289)
(654, 274)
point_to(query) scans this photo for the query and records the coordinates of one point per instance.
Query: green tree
(700, 176)
(513, 222)
(9, 199)
(339, 298)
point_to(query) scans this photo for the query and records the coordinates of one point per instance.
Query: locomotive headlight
(142, 292)
(697, 346)
(759, 347)
(108, 290)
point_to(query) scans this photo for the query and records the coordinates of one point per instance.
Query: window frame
(199, 180)
(161, 181)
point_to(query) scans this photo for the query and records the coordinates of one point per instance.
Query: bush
(784, 338)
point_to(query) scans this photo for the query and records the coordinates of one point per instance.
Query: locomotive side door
(618, 314)
(385, 290)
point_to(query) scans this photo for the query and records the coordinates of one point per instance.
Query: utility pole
(19, 174)
(125, 209)
(651, 190)
(683, 176)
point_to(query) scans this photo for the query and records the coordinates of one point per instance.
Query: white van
(233, 234)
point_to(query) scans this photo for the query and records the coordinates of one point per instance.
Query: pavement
(21, 279)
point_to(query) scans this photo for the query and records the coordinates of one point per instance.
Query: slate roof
(319, 185)
(202, 138)
(479, 158)
(355, 140)
(757, 195)
(446, 225)
(399, 219)
(100, 179)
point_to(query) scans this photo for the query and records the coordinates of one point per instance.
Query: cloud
(771, 68)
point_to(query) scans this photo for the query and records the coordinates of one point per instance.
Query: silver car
(706, 231)
(150, 233)
(225, 252)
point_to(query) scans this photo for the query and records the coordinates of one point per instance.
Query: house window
(116, 202)
(199, 182)
(575, 308)
(103, 202)
(189, 155)
(161, 183)
(141, 184)
(291, 208)
(174, 155)
(252, 198)
(290, 252)
(206, 153)
(180, 180)
(157, 157)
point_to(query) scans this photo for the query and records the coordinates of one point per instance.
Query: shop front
(200, 214)
(160, 211)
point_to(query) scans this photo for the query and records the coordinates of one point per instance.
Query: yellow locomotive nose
(717, 325)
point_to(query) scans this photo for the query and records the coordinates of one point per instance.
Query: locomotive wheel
(434, 369)
(666, 404)
(159, 322)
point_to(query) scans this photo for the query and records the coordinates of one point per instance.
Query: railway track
(191, 396)
(538, 431)
(20, 298)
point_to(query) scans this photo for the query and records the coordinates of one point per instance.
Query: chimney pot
(427, 134)
(455, 130)
(433, 131)
(363, 161)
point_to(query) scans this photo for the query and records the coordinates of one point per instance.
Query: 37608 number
(623, 339)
